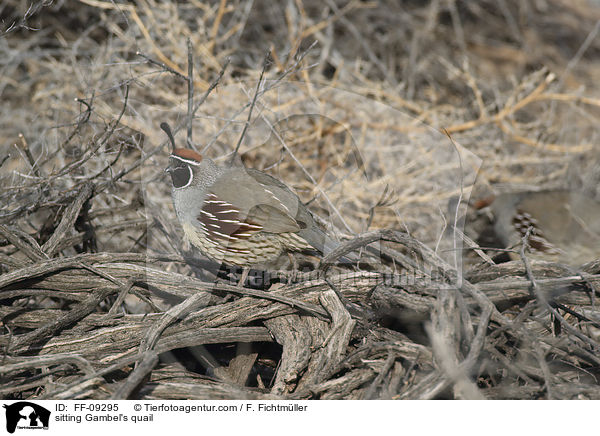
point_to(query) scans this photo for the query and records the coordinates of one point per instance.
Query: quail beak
(168, 170)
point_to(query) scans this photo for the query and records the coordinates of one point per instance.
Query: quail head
(565, 226)
(239, 216)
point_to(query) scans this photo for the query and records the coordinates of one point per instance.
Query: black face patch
(181, 175)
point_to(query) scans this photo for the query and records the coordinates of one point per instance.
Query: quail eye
(181, 176)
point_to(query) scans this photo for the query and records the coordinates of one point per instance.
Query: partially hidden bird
(564, 225)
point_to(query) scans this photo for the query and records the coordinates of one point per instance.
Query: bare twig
(25, 148)
(266, 63)
(190, 81)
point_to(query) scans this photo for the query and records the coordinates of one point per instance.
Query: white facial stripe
(187, 161)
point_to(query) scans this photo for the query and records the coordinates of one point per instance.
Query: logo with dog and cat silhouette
(25, 415)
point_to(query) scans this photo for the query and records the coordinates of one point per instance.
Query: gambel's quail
(565, 226)
(239, 216)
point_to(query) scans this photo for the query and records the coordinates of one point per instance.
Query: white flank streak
(221, 234)
(231, 221)
(228, 211)
(207, 213)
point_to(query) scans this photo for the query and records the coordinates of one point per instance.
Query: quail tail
(323, 243)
